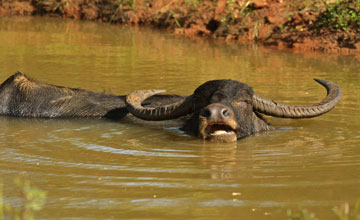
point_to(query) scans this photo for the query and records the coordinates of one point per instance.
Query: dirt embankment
(330, 26)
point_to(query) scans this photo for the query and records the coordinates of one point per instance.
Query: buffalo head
(226, 110)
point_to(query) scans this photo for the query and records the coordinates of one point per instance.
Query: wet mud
(282, 24)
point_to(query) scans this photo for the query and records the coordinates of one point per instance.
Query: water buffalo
(227, 110)
(24, 97)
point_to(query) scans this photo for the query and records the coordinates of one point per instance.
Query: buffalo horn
(166, 112)
(276, 109)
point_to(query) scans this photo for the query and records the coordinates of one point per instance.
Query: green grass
(236, 11)
(345, 212)
(338, 15)
(341, 15)
(301, 214)
(192, 3)
(33, 200)
(342, 212)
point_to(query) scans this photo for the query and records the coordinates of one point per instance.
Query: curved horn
(276, 109)
(166, 112)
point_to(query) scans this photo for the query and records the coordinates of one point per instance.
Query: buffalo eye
(241, 103)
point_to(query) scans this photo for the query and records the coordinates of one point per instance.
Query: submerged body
(24, 97)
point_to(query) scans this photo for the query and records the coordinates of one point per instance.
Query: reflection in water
(93, 168)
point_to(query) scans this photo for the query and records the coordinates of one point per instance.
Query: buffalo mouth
(219, 132)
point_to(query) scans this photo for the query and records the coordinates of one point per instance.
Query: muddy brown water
(100, 169)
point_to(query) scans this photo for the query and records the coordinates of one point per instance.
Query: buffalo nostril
(225, 112)
(206, 113)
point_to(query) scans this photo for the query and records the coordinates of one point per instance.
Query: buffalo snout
(217, 112)
(217, 122)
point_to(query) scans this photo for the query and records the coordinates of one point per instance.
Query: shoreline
(279, 24)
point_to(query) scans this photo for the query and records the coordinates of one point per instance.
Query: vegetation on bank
(317, 24)
(33, 200)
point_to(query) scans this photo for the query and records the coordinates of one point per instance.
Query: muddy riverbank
(329, 26)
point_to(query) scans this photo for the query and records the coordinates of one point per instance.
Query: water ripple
(102, 148)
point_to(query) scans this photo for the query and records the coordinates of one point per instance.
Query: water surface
(100, 169)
